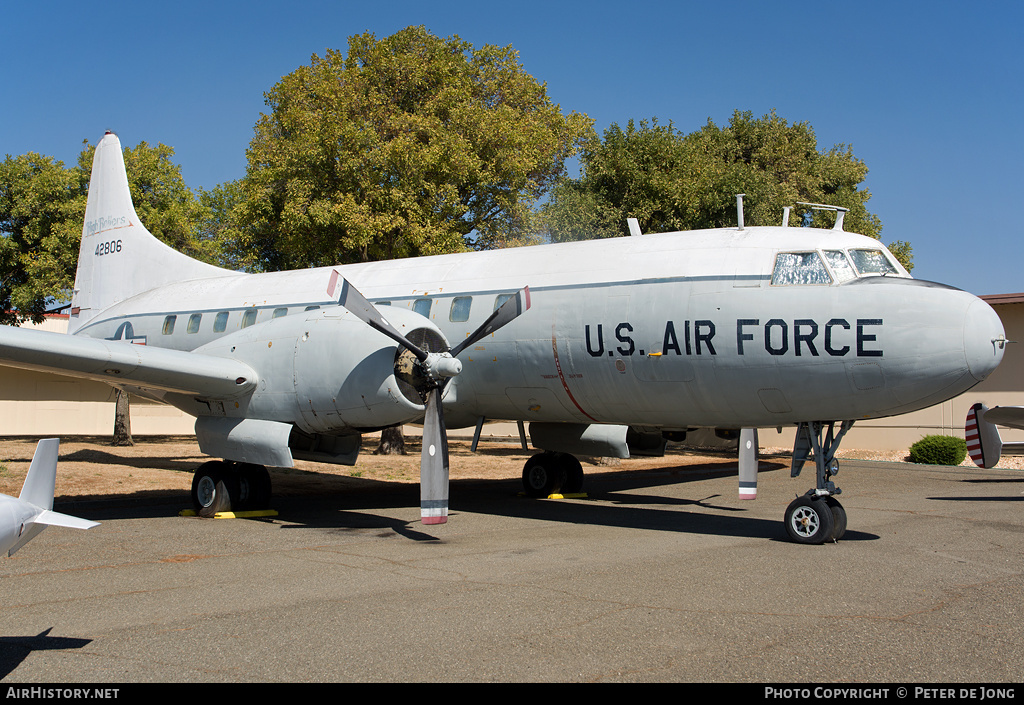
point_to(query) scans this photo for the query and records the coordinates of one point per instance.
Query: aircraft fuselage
(672, 330)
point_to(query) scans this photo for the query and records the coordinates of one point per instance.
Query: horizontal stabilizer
(52, 518)
(1009, 416)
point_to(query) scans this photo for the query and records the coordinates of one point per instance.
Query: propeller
(433, 369)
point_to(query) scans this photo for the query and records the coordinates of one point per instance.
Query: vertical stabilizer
(119, 258)
(42, 475)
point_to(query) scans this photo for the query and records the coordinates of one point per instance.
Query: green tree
(409, 145)
(671, 181)
(42, 205)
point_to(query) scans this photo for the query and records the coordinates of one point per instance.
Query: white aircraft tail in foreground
(23, 518)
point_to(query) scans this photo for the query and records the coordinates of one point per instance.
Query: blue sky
(929, 94)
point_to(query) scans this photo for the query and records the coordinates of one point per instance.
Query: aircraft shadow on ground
(612, 501)
(988, 481)
(341, 502)
(15, 649)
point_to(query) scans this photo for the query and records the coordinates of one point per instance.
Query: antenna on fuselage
(785, 216)
(634, 226)
(839, 211)
(739, 209)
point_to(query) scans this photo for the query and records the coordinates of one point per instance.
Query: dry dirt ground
(91, 468)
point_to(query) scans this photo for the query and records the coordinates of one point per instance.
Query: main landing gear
(225, 486)
(551, 473)
(817, 517)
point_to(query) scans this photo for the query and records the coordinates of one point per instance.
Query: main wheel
(573, 474)
(809, 520)
(254, 486)
(214, 487)
(543, 475)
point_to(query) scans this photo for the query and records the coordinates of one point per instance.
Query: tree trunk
(122, 421)
(392, 442)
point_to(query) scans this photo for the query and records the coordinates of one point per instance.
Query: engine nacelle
(328, 372)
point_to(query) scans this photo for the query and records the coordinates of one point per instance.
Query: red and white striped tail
(973, 436)
(983, 441)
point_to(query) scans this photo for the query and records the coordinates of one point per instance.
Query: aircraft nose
(984, 339)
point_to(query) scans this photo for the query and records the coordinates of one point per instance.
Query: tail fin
(38, 492)
(42, 475)
(119, 257)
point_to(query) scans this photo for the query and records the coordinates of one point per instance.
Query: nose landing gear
(817, 516)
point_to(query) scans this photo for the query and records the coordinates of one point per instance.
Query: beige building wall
(38, 404)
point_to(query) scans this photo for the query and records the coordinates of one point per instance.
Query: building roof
(996, 299)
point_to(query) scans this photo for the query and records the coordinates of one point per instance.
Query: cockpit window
(872, 262)
(840, 265)
(799, 268)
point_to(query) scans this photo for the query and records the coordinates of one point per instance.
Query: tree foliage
(670, 181)
(42, 205)
(408, 145)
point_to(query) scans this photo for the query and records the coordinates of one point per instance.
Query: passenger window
(460, 309)
(871, 262)
(840, 265)
(220, 323)
(799, 268)
(249, 317)
(381, 303)
(169, 324)
(422, 307)
(314, 307)
(193, 323)
(278, 312)
(500, 299)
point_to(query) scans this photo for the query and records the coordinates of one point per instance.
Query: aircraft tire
(543, 475)
(214, 486)
(254, 486)
(838, 518)
(809, 520)
(573, 475)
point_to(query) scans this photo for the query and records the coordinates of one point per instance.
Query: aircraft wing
(119, 362)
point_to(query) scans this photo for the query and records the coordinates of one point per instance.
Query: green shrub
(939, 450)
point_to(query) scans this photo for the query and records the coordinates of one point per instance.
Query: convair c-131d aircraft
(595, 344)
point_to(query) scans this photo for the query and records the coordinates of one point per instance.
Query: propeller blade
(505, 313)
(356, 303)
(434, 463)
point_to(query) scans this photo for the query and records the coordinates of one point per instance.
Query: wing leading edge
(118, 362)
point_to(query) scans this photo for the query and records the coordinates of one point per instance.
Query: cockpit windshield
(840, 265)
(799, 268)
(794, 268)
(871, 262)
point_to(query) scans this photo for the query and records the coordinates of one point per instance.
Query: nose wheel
(815, 519)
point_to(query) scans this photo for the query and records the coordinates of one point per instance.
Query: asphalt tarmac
(657, 576)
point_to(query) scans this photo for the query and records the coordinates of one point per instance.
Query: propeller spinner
(432, 370)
